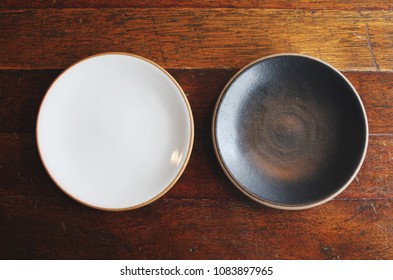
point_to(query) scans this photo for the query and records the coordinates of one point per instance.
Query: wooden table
(202, 44)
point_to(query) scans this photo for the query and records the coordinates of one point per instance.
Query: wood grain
(195, 38)
(267, 4)
(203, 216)
(22, 92)
(23, 174)
(183, 229)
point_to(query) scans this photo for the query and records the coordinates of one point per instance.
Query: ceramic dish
(290, 131)
(115, 131)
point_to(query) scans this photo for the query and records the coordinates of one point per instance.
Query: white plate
(115, 131)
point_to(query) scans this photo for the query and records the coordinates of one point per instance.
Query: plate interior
(290, 130)
(114, 131)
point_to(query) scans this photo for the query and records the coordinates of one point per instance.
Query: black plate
(290, 131)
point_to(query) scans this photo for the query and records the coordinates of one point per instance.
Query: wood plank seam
(59, 37)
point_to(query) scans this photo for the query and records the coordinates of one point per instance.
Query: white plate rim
(190, 143)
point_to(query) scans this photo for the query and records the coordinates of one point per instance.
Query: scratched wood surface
(202, 38)
(267, 4)
(202, 44)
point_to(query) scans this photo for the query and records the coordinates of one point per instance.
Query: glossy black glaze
(290, 131)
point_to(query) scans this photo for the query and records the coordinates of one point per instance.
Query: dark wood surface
(264, 4)
(195, 38)
(202, 44)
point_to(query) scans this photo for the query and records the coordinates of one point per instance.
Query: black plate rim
(263, 201)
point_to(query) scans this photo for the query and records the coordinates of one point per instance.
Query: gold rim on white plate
(190, 142)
